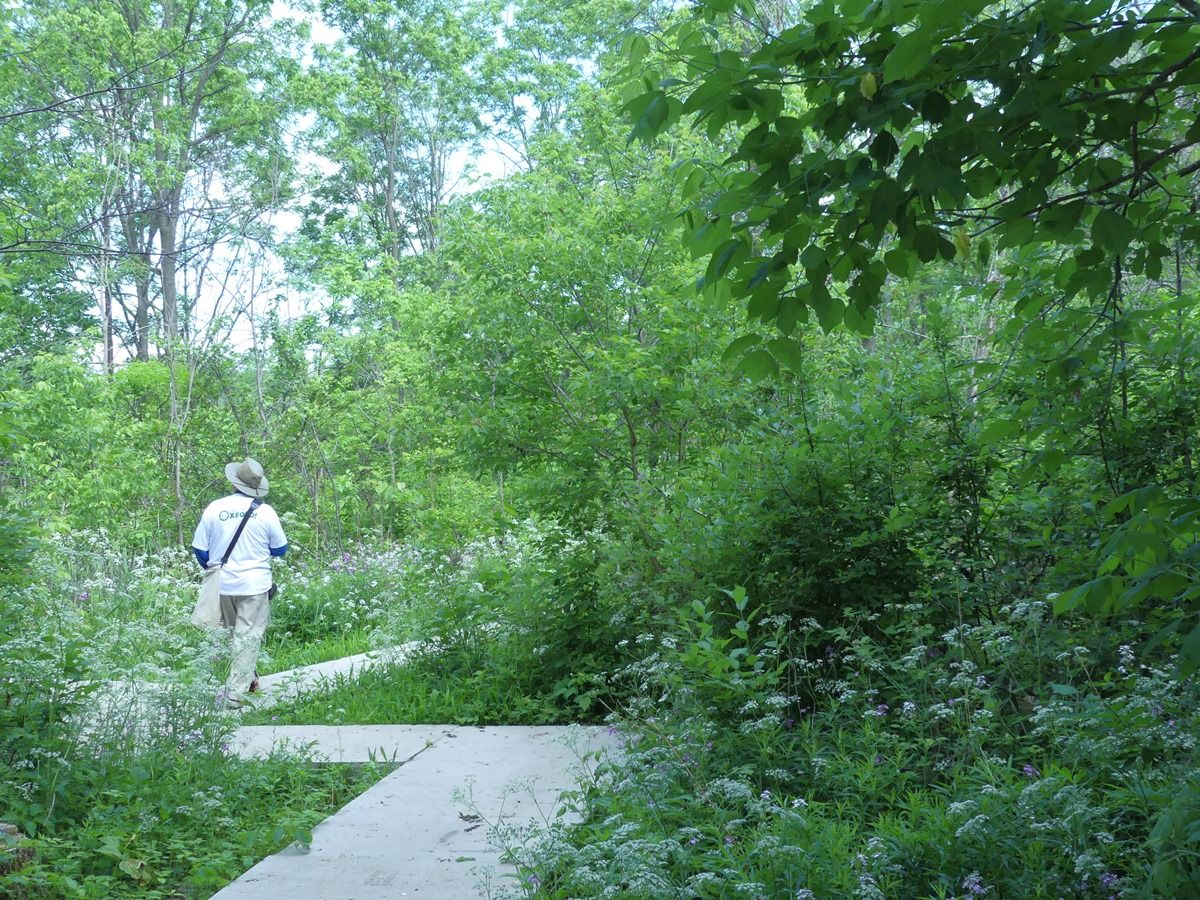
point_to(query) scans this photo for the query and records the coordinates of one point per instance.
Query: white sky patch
(321, 32)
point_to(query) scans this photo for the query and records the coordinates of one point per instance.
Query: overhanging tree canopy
(884, 135)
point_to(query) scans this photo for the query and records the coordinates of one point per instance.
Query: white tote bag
(207, 613)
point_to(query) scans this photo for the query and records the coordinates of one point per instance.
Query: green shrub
(804, 535)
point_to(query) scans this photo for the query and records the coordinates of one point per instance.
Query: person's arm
(277, 541)
(200, 542)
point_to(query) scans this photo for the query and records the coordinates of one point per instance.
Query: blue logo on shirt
(226, 515)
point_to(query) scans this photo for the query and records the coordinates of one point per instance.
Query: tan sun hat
(247, 476)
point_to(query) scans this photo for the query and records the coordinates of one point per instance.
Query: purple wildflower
(879, 759)
(730, 840)
(973, 885)
(1030, 770)
(534, 880)
(1108, 880)
(882, 709)
(789, 723)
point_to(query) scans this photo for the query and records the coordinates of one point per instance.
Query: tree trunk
(142, 318)
(138, 242)
(167, 224)
(393, 219)
(106, 302)
(980, 354)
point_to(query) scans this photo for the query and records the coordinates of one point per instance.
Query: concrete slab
(436, 827)
(338, 743)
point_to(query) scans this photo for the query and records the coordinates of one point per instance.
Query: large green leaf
(739, 346)
(654, 111)
(758, 365)
(1189, 652)
(787, 352)
(1111, 230)
(910, 55)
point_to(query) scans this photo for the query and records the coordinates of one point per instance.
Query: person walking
(244, 531)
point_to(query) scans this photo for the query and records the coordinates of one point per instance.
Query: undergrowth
(170, 822)
(115, 763)
(767, 758)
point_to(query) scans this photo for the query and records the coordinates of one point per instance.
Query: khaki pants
(245, 618)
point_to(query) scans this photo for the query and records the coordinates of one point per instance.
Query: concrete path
(434, 828)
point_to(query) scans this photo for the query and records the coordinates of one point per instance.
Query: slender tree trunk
(107, 314)
(168, 224)
(337, 505)
(180, 500)
(139, 242)
(178, 418)
(142, 317)
(314, 490)
(260, 393)
(1182, 368)
(106, 302)
(391, 453)
(389, 204)
(633, 443)
(982, 350)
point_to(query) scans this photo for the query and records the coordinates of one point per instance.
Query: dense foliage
(890, 585)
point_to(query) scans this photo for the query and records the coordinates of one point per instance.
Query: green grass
(422, 691)
(291, 655)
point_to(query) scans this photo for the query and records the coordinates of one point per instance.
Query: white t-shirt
(249, 568)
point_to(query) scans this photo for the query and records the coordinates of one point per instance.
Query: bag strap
(254, 504)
